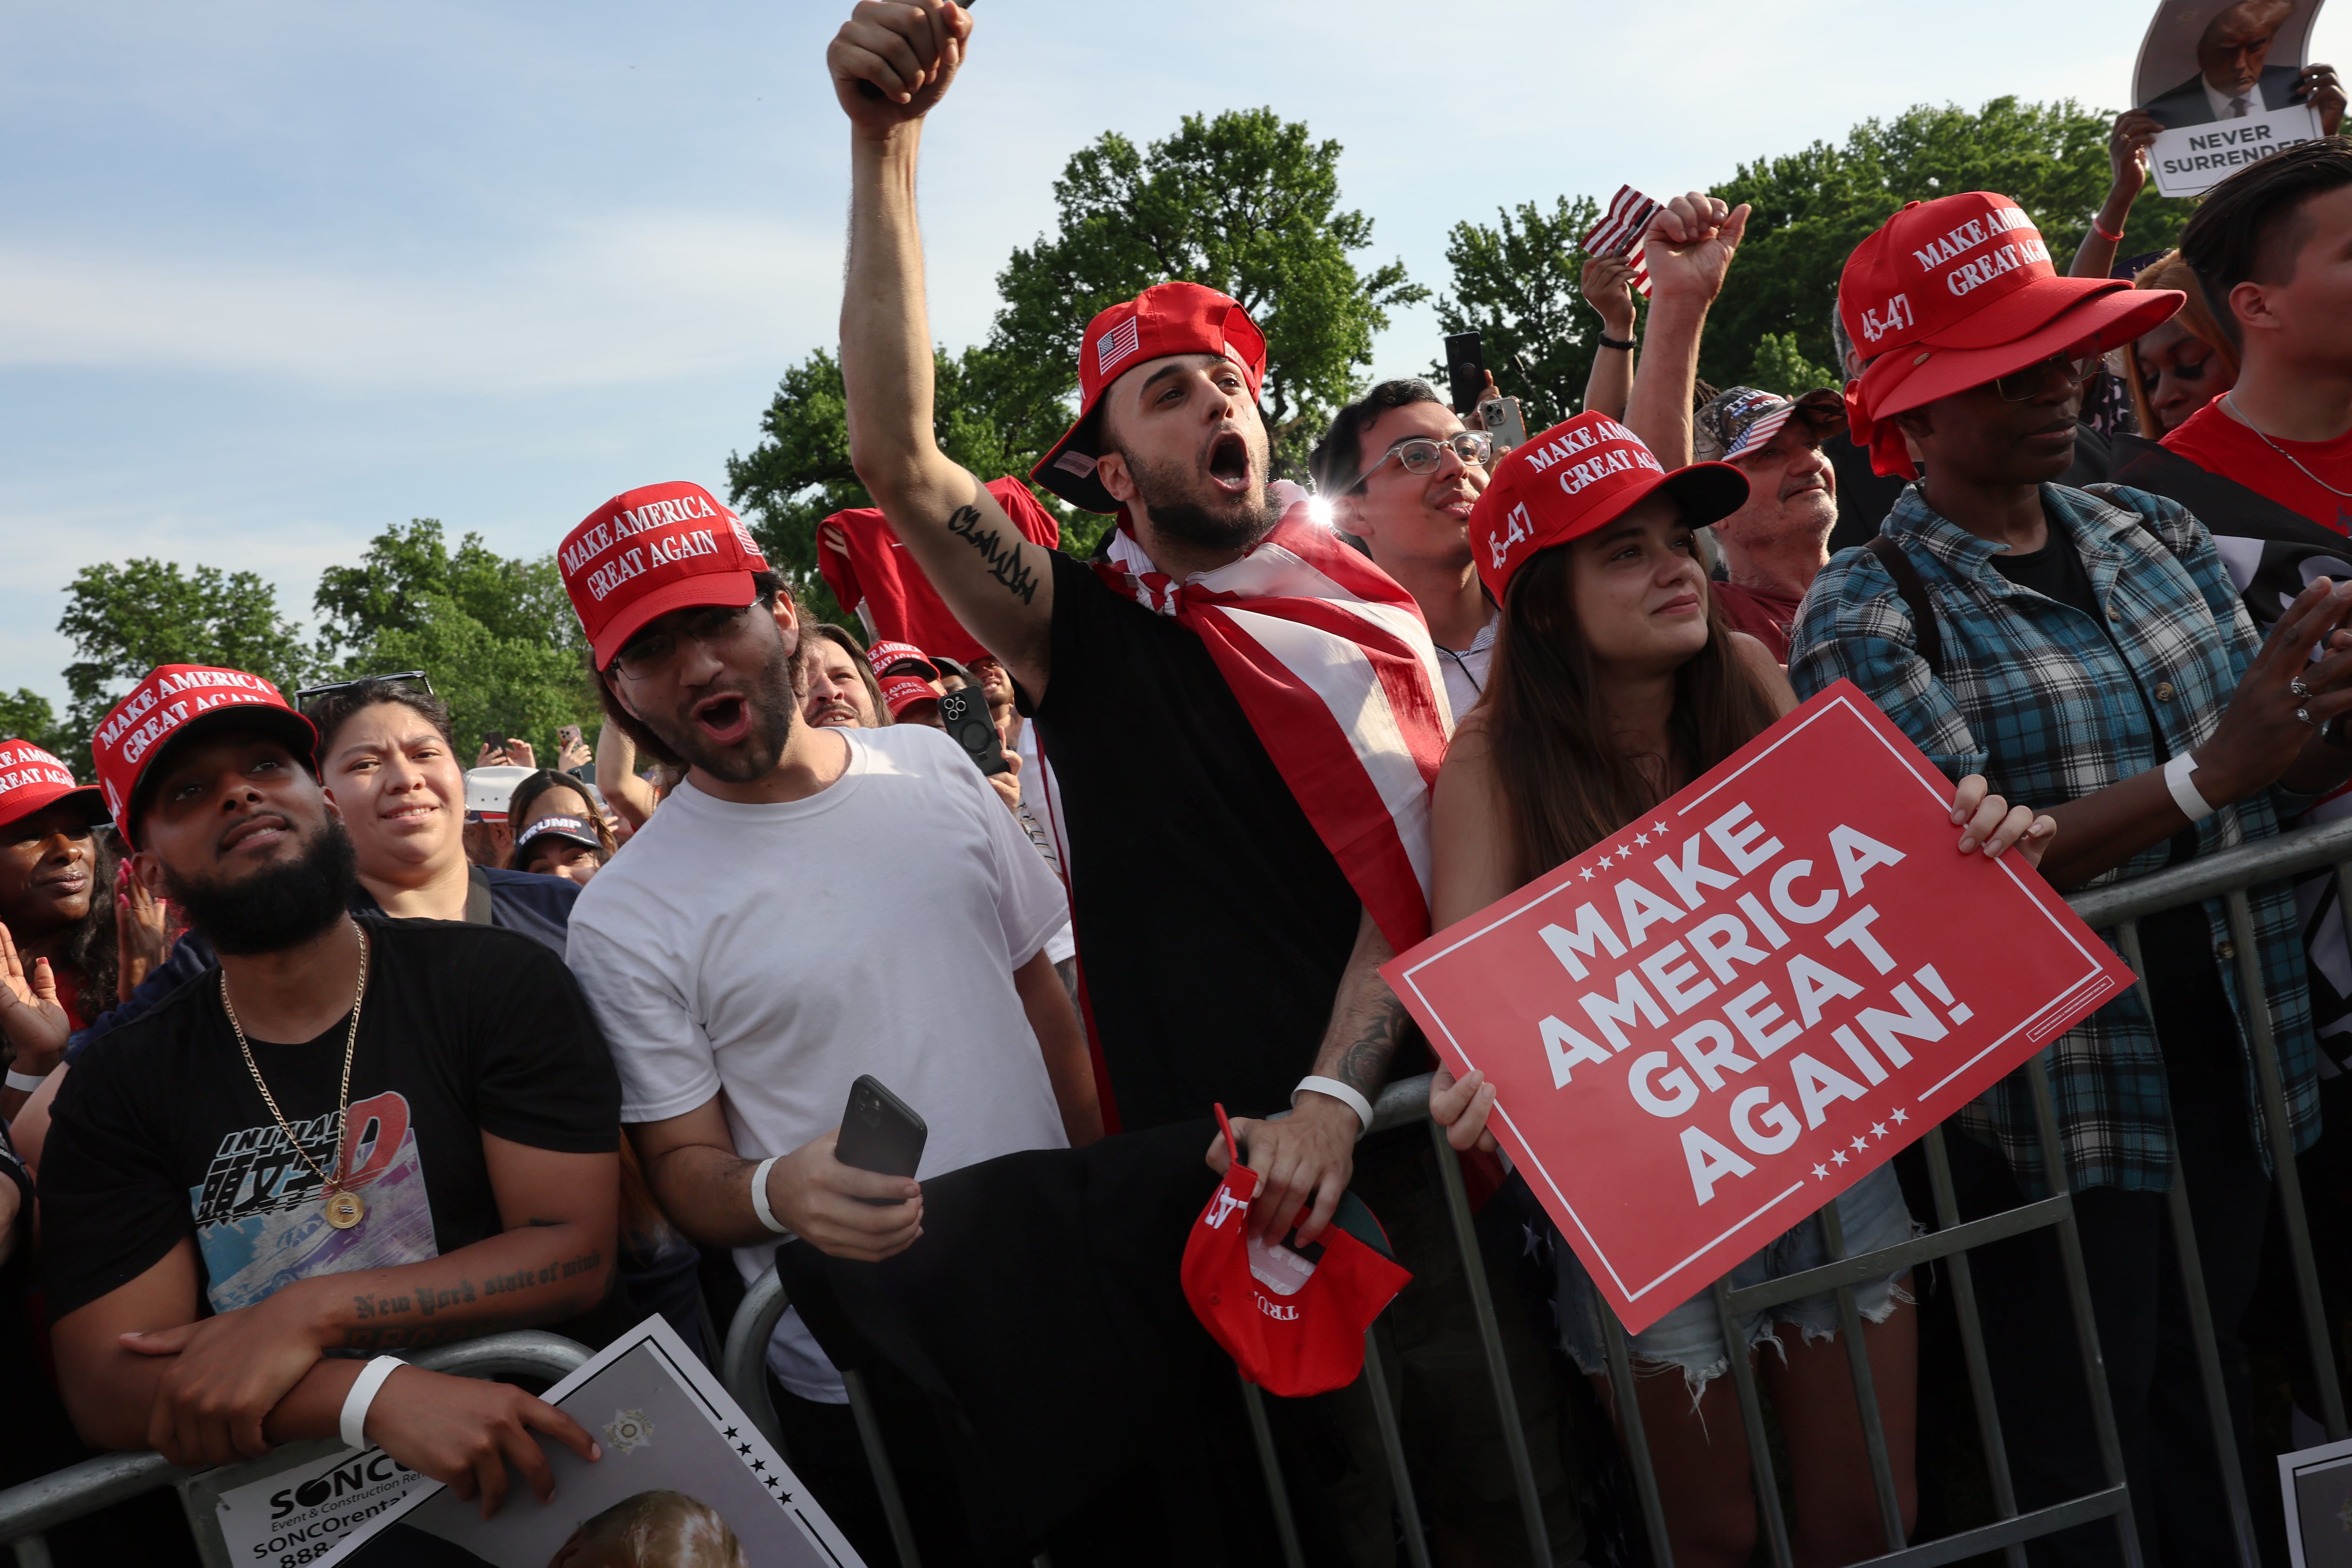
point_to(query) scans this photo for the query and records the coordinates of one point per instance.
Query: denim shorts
(1691, 1336)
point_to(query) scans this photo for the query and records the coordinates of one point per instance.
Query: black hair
(767, 587)
(1338, 460)
(331, 710)
(2250, 227)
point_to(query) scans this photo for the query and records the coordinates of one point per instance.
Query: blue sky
(276, 276)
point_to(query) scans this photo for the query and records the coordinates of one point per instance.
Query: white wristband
(759, 1197)
(25, 1082)
(352, 1426)
(2184, 793)
(1340, 1092)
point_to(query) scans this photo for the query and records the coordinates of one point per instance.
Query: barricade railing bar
(28, 1510)
(2117, 907)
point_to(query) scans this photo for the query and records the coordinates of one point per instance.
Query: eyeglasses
(2023, 386)
(417, 678)
(649, 656)
(1422, 454)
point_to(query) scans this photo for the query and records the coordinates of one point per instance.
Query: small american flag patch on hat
(1115, 345)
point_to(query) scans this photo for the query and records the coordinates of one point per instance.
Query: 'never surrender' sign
(1714, 1021)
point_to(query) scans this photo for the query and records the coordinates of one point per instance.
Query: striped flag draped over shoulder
(1619, 232)
(1334, 669)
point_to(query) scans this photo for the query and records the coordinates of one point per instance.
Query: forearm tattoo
(1003, 559)
(1364, 1065)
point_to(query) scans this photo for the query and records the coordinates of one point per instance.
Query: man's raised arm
(890, 63)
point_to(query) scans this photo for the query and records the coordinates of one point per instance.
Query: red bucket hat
(33, 780)
(1575, 477)
(1165, 318)
(172, 702)
(650, 550)
(1292, 1319)
(1959, 292)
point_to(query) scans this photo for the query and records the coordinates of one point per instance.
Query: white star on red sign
(1659, 828)
(1901, 1117)
(1820, 1171)
(1588, 873)
(1641, 839)
(1878, 1129)
(1838, 1158)
(1859, 1147)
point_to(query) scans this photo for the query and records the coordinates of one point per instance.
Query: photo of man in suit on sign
(2235, 77)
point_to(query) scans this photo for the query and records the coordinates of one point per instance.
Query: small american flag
(1619, 232)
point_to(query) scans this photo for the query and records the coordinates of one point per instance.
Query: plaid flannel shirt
(2036, 698)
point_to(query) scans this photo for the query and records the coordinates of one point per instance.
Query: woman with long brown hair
(2174, 369)
(1615, 683)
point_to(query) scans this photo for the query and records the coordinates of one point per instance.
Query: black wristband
(1609, 342)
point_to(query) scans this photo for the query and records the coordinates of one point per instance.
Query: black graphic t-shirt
(159, 1133)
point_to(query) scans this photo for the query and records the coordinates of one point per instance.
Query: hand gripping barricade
(36, 1506)
(2117, 908)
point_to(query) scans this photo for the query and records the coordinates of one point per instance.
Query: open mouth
(725, 719)
(1229, 464)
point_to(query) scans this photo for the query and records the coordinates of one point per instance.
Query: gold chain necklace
(2230, 401)
(344, 1209)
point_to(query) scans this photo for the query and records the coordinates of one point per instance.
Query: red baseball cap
(650, 550)
(1953, 293)
(1575, 477)
(33, 780)
(882, 655)
(900, 692)
(1165, 318)
(173, 701)
(1292, 1319)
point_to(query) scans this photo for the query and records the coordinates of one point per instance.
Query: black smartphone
(1465, 369)
(879, 1131)
(494, 741)
(964, 716)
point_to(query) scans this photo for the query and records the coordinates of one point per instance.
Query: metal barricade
(28, 1510)
(2119, 907)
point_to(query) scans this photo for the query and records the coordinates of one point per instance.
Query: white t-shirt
(778, 952)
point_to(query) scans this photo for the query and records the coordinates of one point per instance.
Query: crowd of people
(323, 1046)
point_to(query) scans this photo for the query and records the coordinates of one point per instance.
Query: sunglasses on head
(417, 678)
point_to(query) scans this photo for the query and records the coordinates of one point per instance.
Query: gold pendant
(345, 1210)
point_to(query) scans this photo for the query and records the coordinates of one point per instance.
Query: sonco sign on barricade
(1711, 1023)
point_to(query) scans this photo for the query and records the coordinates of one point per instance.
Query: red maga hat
(1953, 293)
(650, 550)
(1292, 1318)
(900, 692)
(1575, 477)
(169, 704)
(885, 656)
(33, 780)
(1165, 318)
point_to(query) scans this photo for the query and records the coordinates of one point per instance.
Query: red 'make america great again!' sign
(1708, 1025)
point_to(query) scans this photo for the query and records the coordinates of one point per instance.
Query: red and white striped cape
(1334, 668)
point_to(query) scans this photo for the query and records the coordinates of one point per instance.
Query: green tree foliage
(26, 715)
(1245, 203)
(1515, 285)
(1780, 367)
(1812, 207)
(125, 618)
(495, 634)
(799, 474)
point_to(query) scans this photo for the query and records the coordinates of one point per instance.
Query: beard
(277, 907)
(1172, 494)
(772, 710)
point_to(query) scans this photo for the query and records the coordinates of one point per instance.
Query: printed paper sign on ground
(1707, 1026)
